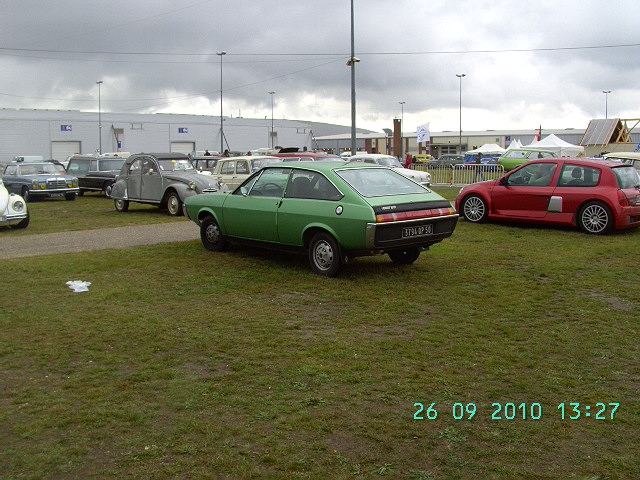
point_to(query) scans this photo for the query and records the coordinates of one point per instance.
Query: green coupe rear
(331, 211)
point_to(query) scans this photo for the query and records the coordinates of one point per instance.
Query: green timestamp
(599, 411)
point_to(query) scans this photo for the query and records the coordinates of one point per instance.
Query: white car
(423, 178)
(13, 209)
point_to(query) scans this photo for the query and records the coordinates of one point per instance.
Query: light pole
(401, 124)
(606, 103)
(221, 127)
(460, 75)
(352, 63)
(99, 82)
(271, 93)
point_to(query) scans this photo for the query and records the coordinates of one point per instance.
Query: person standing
(478, 168)
(408, 161)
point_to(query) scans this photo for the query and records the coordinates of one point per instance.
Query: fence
(459, 175)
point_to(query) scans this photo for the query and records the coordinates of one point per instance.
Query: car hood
(412, 174)
(202, 181)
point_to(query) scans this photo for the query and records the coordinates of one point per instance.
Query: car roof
(325, 167)
(623, 155)
(580, 161)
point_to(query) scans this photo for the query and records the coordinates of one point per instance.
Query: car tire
(70, 197)
(121, 205)
(24, 223)
(174, 205)
(211, 236)
(404, 257)
(474, 209)
(106, 189)
(595, 218)
(324, 255)
(24, 193)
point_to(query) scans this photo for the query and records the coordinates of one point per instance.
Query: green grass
(88, 212)
(244, 364)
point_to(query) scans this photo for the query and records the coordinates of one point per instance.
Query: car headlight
(35, 183)
(74, 182)
(192, 186)
(18, 206)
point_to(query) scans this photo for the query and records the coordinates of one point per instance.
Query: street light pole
(220, 54)
(99, 82)
(606, 103)
(352, 63)
(401, 124)
(271, 93)
(460, 75)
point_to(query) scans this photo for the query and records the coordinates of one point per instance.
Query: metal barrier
(459, 175)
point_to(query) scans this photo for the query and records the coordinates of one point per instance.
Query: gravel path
(101, 239)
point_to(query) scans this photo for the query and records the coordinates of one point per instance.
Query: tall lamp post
(606, 103)
(401, 125)
(221, 54)
(99, 82)
(460, 75)
(271, 93)
(352, 63)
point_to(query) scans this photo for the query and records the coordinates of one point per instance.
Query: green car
(332, 211)
(518, 156)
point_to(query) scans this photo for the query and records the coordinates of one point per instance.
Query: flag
(539, 134)
(423, 133)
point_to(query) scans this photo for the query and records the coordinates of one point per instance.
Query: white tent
(488, 149)
(557, 146)
(515, 144)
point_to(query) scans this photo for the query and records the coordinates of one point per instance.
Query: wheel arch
(604, 201)
(314, 229)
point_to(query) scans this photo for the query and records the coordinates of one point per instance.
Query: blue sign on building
(183, 130)
(65, 128)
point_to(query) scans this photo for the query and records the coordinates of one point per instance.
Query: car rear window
(379, 182)
(627, 176)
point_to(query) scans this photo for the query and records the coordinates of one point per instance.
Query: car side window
(271, 183)
(11, 170)
(311, 185)
(577, 176)
(242, 167)
(534, 174)
(135, 167)
(149, 166)
(228, 168)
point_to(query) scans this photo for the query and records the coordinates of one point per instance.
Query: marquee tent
(557, 146)
(488, 149)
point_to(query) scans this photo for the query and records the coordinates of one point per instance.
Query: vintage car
(595, 195)
(40, 180)
(307, 157)
(628, 158)
(332, 211)
(517, 156)
(13, 209)
(418, 176)
(162, 179)
(205, 164)
(449, 159)
(95, 174)
(232, 171)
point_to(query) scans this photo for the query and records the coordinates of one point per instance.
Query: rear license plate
(56, 194)
(417, 231)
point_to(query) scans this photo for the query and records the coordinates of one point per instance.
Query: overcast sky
(526, 63)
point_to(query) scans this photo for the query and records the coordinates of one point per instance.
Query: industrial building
(57, 134)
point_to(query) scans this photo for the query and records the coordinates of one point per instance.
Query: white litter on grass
(79, 286)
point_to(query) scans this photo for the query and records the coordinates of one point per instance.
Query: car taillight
(414, 215)
(622, 199)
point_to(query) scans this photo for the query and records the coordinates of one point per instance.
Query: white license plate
(56, 194)
(417, 231)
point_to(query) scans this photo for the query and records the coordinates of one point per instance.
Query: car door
(151, 180)
(227, 172)
(526, 192)
(134, 179)
(251, 212)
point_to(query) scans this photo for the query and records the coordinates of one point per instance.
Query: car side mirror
(504, 182)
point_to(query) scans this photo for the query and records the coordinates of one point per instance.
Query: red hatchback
(594, 195)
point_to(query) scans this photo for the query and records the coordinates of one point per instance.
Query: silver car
(162, 179)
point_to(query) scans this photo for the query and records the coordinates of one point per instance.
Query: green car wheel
(324, 255)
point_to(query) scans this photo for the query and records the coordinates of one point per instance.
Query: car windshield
(379, 182)
(175, 165)
(108, 165)
(39, 169)
(628, 177)
(261, 162)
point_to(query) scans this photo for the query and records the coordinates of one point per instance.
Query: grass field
(182, 363)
